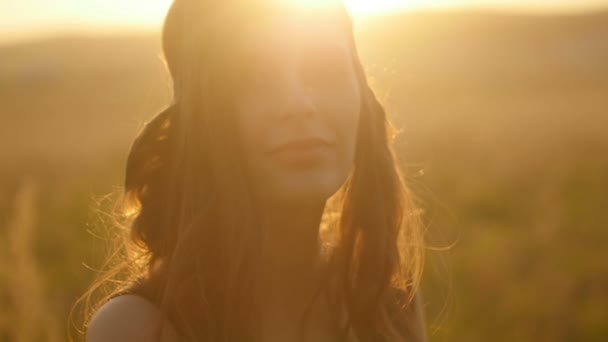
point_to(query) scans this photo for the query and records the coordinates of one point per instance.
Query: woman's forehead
(294, 30)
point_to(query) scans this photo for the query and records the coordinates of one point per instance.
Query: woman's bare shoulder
(128, 317)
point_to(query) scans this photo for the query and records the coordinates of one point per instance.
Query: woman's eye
(256, 78)
(325, 71)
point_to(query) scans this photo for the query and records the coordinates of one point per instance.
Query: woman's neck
(290, 251)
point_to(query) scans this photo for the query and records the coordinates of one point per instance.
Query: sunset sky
(27, 18)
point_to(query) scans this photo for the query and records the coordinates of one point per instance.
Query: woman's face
(297, 108)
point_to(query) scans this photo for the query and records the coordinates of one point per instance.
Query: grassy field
(504, 134)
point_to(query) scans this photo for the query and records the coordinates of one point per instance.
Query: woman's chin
(304, 191)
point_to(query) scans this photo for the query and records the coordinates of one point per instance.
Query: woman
(265, 203)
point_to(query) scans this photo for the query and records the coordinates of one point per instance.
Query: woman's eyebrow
(328, 51)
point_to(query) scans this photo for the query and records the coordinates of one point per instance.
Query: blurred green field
(504, 134)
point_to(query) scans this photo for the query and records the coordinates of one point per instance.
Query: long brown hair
(193, 235)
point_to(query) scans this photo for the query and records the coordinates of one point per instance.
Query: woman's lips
(301, 145)
(301, 152)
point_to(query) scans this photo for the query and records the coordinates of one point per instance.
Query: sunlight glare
(367, 7)
(356, 7)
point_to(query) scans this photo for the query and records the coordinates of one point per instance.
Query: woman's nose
(297, 100)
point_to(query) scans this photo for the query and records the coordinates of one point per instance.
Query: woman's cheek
(251, 115)
(341, 112)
